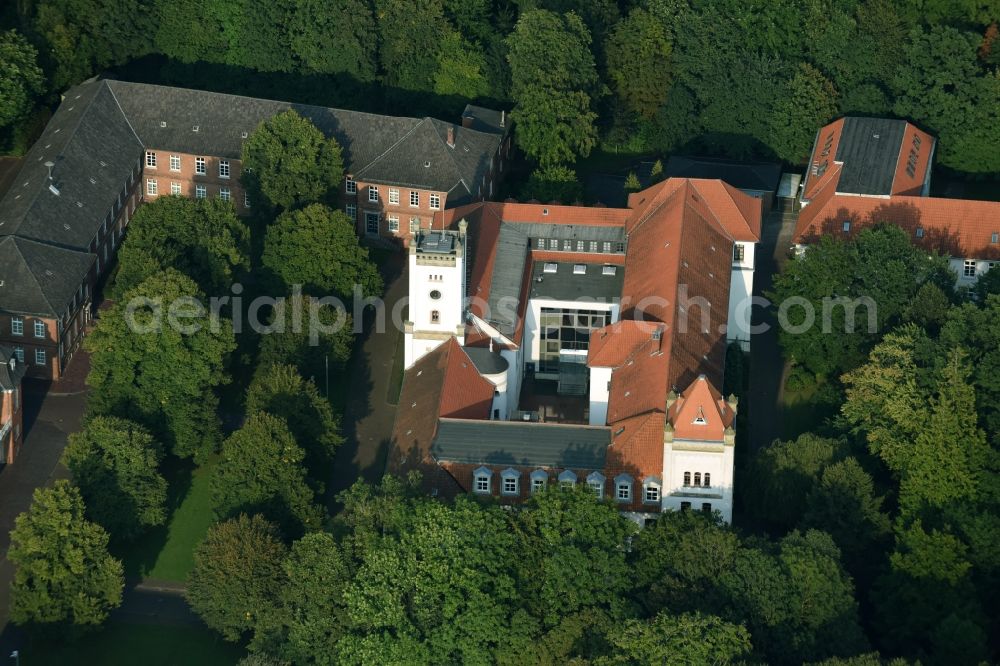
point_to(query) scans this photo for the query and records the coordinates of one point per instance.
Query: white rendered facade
(683, 459)
(740, 295)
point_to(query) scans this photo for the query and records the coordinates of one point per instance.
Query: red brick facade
(200, 176)
(11, 422)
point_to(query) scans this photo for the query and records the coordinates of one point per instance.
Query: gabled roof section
(522, 444)
(737, 214)
(94, 150)
(700, 413)
(613, 345)
(444, 383)
(869, 157)
(39, 279)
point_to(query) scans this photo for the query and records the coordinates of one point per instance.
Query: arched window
(481, 480)
(697, 478)
(708, 479)
(567, 479)
(687, 478)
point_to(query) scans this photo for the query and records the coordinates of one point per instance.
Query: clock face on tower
(435, 294)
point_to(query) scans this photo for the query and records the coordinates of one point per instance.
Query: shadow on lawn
(140, 556)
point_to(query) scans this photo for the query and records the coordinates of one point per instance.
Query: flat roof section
(564, 281)
(869, 150)
(525, 444)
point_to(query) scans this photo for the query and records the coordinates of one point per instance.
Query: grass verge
(167, 553)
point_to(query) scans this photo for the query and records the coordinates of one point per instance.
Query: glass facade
(566, 329)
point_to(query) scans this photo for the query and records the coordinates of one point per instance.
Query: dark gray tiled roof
(38, 278)
(515, 443)
(757, 176)
(10, 378)
(96, 140)
(565, 285)
(487, 362)
(486, 120)
(94, 150)
(869, 162)
(508, 270)
(384, 149)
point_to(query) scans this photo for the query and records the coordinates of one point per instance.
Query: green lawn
(167, 553)
(122, 644)
(396, 378)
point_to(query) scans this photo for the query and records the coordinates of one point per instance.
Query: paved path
(48, 421)
(155, 602)
(368, 417)
(767, 366)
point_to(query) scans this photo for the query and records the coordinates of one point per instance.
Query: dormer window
(567, 479)
(995, 237)
(700, 419)
(509, 481)
(623, 488)
(579, 269)
(550, 267)
(847, 226)
(596, 482)
(651, 490)
(920, 232)
(539, 479)
(609, 270)
(481, 480)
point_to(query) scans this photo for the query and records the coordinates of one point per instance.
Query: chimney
(467, 121)
(451, 136)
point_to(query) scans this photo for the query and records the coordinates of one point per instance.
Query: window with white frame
(199, 192)
(175, 162)
(350, 185)
(596, 482)
(352, 211)
(567, 479)
(151, 187)
(150, 159)
(847, 226)
(435, 316)
(435, 200)
(393, 223)
(223, 168)
(414, 225)
(414, 198)
(553, 244)
(969, 268)
(175, 188)
(738, 252)
(199, 166)
(19, 354)
(651, 490)
(39, 328)
(708, 480)
(246, 199)
(481, 480)
(509, 481)
(16, 326)
(39, 357)
(393, 195)
(224, 193)
(539, 479)
(623, 488)
(373, 194)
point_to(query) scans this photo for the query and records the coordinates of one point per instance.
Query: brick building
(11, 405)
(618, 318)
(112, 145)
(866, 171)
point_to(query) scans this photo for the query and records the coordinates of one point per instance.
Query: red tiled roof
(614, 344)
(636, 447)
(444, 383)
(953, 227)
(700, 413)
(824, 150)
(738, 214)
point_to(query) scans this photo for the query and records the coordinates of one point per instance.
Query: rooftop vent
(609, 270)
(66, 227)
(550, 267)
(93, 181)
(79, 204)
(53, 189)
(163, 123)
(196, 128)
(579, 269)
(244, 134)
(427, 164)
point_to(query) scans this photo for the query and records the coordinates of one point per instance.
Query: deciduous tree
(237, 576)
(21, 80)
(638, 53)
(335, 37)
(288, 162)
(63, 573)
(115, 463)
(678, 640)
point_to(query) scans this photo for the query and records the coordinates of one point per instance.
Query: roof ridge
(448, 151)
(24, 260)
(128, 121)
(714, 215)
(393, 146)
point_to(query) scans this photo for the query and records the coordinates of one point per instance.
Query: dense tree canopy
(201, 238)
(287, 162)
(317, 248)
(115, 463)
(157, 372)
(21, 80)
(63, 573)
